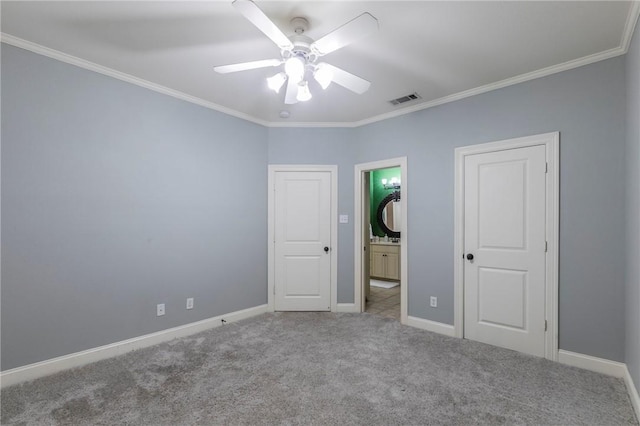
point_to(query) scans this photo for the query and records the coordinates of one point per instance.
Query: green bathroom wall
(378, 193)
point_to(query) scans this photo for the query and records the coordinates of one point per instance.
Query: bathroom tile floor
(384, 302)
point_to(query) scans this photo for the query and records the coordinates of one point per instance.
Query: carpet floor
(320, 369)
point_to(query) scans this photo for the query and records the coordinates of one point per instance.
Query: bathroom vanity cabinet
(385, 261)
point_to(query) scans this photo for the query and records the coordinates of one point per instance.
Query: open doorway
(381, 238)
(382, 291)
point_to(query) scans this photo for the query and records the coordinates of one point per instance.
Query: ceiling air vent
(403, 99)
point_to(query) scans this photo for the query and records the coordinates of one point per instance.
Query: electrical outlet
(434, 302)
(190, 303)
(160, 309)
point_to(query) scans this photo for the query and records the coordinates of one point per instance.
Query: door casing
(359, 253)
(272, 170)
(551, 141)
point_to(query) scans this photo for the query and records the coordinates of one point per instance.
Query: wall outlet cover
(160, 309)
(434, 302)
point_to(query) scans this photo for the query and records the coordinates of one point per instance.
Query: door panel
(366, 236)
(377, 265)
(392, 263)
(505, 232)
(302, 205)
(502, 297)
(302, 276)
(301, 214)
(501, 205)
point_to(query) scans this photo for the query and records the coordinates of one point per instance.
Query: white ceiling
(443, 50)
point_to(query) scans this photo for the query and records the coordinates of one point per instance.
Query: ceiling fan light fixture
(299, 54)
(294, 67)
(323, 75)
(303, 92)
(276, 81)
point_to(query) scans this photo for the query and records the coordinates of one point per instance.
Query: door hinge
(545, 325)
(546, 167)
(546, 246)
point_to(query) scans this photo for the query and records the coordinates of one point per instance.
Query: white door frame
(271, 181)
(552, 143)
(358, 286)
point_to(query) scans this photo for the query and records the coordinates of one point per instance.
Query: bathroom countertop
(386, 243)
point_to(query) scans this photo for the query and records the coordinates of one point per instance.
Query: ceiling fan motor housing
(299, 25)
(301, 45)
(301, 49)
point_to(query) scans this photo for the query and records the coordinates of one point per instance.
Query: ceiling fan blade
(347, 80)
(292, 92)
(346, 34)
(244, 66)
(257, 17)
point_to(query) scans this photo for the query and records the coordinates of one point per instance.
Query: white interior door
(504, 248)
(366, 236)
(302, 239)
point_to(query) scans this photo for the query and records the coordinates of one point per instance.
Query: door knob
(469, 256)
(326, 249)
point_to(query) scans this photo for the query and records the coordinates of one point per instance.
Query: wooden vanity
(385, 260)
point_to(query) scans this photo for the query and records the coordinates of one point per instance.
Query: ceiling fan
(300, 54)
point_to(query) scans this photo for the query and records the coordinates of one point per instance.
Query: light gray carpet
(324, 369)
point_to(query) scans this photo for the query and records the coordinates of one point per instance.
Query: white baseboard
(592, 363)
(347, 307)
(604, 366)
(77, 359)
(633, 392)
(436, 327)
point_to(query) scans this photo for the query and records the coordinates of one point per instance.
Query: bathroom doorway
(381, 248)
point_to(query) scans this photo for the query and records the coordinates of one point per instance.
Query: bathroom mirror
(389, 215)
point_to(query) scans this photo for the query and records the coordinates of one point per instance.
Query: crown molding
(322, 124)
(630, 25)
(92, 66)
(586, 60)
(625, 41)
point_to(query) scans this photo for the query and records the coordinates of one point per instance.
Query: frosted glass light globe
(294, 67)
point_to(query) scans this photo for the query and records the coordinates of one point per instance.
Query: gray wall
(113, 201)
(633, 210)
(324, 146)
(587, 105)
(116, 198)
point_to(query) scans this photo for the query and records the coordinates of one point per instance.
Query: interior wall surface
(116, 198)
(632, 210)
(587, 106)
(327, 146)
